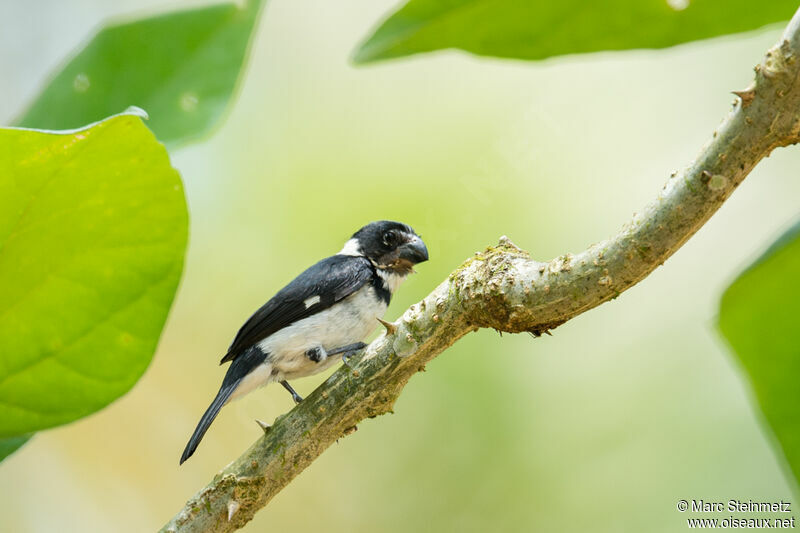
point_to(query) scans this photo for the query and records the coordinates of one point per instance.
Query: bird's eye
(390, 238)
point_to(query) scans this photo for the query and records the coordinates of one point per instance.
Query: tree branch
(504, 289)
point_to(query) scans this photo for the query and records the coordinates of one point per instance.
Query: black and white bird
(327, 310)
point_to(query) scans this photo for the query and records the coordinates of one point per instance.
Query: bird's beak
(413, 251)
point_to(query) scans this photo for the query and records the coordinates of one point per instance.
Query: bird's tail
(211, 413)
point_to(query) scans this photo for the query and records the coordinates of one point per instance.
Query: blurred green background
(602, 427)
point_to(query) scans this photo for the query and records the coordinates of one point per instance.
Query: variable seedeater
(327, 310)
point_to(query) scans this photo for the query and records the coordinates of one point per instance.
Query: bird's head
(388, 245)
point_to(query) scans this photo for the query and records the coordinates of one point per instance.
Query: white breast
(347, 322)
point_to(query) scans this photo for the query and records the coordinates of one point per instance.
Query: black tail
(211, 413)
(241, 366)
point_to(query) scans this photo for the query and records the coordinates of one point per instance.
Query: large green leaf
(180, 67)
(529, 29)
(11, 444)
(760, 317)
(93, 230)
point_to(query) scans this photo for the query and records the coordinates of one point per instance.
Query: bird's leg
(356, 346)
(348, 351)
(296, 397)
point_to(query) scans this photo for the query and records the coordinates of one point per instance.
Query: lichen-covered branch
(503, 288)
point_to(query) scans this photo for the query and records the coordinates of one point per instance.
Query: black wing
(332, 279)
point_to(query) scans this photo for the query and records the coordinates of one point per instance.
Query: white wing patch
(311, 301)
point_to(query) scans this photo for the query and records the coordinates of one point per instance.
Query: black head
(389, 245)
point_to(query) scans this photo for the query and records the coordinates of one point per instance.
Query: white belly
(347, 322)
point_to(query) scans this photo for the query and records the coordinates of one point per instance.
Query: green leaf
(12, 444)
(760, 318)
(537, 30)
(180, 67)
(93, 230)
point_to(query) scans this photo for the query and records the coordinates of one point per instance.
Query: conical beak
(414, 251)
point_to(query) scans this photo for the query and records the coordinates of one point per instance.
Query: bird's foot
(348, 351)
(346, 358)
(296, 397)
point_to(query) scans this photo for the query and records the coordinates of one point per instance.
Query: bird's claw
(346, 358)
